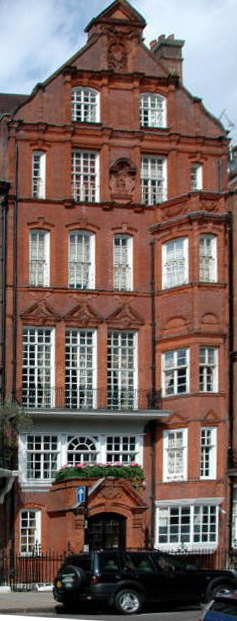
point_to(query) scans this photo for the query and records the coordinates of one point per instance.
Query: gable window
(175, 372)
(208, 369)
(152, 110)
(121, 367)
(123, 262)
(38, 174)
(81, 450)
(85, 175)
(42, 456)
(81, 260)
(186, 524)
(208, 453)
(80, 382)
(153, 179)
(175, 262)
(175, 454)
(85, 105)
(208, 258)
(196, 174)
(30, 531)
(37, 367)
(39, 258)
(121, 449)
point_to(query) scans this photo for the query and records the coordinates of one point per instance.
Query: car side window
(109, 563)
(142, 562)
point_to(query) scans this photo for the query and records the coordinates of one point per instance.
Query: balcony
(85, 400)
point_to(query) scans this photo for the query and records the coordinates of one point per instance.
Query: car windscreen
(79, 560)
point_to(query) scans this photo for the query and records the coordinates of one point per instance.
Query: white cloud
(37, 37)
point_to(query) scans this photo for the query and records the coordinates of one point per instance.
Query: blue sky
(37, 37)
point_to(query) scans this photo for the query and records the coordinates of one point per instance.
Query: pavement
(27, 602)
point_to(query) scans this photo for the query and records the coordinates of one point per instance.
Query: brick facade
(189, 316)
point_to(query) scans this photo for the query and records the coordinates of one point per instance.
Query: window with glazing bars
(208, 453)
(42, 456)
(121, 449)
(208, 258)
(196, 176)
(39, 258)
(175, 372)
(85, 176)
(38, 174)
(175, 262)
(37, 367)
(208, 369)
(189, 524)
(153, 179)
(81, 260)
(30, 531)
(81, 449)
(152, 110)
(85, 105)
(80, 369)
(175, 454)
(122, 262)
(121, 369)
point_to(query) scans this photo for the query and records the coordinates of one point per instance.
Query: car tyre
(218, 586)
(127, 601)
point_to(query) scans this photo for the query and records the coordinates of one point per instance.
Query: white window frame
(38, 174)
(122, 370)
(81, 266)
(42, 452)
(85, 176)
(81, 368)
(208, 368)
(208, 258)
(194, 524)
(32, 531)
(175, 263)
(208, 452)
(123, 262)
(121, 449)
(234, 518)
(153, 179)
(196, 176)
(38, 378)
(82, 449)
(175, 367)
(152, 110)
(175, 454)
(85, 104)
(39, 258)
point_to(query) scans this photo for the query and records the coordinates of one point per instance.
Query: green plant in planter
(133, 472)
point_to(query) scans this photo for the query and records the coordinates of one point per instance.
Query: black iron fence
(31, 572)
(83, 398)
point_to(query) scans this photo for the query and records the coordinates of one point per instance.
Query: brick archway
(106, 530)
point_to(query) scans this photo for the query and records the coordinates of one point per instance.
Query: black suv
(127, 579)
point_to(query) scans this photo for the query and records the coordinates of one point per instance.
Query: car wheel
(127, 601)
(217, 586)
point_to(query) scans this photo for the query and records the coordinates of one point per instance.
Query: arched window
(152, 110)
(81, 449)
(85, 105)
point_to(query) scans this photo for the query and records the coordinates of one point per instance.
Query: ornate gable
(125, 317)
(40, 314)
(83, 315)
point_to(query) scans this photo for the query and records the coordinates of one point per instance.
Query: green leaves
(132, 472)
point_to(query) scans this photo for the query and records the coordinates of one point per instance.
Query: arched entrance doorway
(106, 530)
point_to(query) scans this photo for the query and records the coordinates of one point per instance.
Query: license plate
(59, 584)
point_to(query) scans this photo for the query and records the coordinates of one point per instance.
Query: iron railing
(28, 572)
(82, 398)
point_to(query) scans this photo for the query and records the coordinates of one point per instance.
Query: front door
(106, 530)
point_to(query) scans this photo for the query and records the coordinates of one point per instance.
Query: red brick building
(117, 298)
